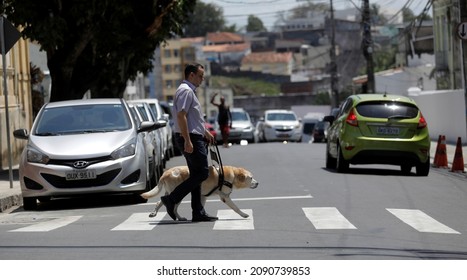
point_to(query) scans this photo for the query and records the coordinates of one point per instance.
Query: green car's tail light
(352, 118)
(421, 122)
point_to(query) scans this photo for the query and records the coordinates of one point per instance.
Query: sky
(237, 11)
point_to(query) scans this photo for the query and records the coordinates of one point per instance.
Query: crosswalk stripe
(327, 218)
(49, 225)
(421, 221)
(140, 221)
(229, 220)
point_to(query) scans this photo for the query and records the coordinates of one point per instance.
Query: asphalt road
(300, 211)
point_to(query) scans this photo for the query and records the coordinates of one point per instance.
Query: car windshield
(281, 117)
(82, 119)
(384, 109)
(239, 116)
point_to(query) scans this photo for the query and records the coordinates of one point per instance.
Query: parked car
(320, 132)
(166, 131)
(81, 147)
(279, 125)
(167, 107)
(153, 139)
(378, 129)
(242, 127)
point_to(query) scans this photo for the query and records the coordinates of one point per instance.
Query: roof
(223, 37)
(227, 48)
(267, 57)
(381, 96)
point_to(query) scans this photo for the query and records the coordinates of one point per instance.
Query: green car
(378, 129)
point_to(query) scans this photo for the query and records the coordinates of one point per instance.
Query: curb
(10, 201)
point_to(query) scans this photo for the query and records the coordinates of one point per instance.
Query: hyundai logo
(80, 164)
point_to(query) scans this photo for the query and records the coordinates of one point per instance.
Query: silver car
(153, 139)
(83, 147)
(166, 131)
(279, 125)
(242, 127)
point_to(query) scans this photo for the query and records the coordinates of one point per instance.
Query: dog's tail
(155, 191)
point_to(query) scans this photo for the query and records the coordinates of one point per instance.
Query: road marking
(140, 221)
(49, 225)
(230, 220)
(421, 221)
(245, 199)
(327, 218)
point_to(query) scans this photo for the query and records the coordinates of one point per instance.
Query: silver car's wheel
(29, 203)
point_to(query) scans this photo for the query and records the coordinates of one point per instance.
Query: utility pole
(367, 46)
(334, 81)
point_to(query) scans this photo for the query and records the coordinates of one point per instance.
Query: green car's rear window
(384, 109)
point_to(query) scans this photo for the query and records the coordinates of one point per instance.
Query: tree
(206, 18)
(97, 45)
(255, 24)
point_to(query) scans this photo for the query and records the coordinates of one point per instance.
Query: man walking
(224, 119)
(191, 136)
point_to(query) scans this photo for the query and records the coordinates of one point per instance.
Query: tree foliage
(206, 18)
(97, 45)
(255, 24)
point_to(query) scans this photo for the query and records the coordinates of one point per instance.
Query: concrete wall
(445, 113)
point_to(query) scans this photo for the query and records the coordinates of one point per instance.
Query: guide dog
(234, 178)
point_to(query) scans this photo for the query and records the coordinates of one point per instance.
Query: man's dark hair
(192, 68)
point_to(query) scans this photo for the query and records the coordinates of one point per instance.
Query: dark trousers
(199, 171)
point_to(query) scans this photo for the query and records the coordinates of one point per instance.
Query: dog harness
(216, 158)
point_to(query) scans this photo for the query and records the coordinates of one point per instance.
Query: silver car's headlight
(126, 150)
(36, 156)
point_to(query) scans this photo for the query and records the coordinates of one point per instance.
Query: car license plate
(283, 135)
(80, 175)
(383, 130)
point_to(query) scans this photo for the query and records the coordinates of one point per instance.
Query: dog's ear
(241, 177)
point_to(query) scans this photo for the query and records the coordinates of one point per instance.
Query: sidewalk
(10, 197)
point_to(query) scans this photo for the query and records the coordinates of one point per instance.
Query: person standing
(191, 136)
(224, 119)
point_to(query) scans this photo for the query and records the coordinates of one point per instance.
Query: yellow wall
(19, 101)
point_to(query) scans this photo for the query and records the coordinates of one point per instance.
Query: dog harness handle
(216, 157)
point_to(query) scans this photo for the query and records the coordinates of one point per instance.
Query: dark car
(320, 132)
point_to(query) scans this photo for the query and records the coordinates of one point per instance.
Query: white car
(279, 125)
(153, 139)
(166, 131)
(81, 147)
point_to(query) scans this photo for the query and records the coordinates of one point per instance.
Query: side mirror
(21, 134)
(329, 119)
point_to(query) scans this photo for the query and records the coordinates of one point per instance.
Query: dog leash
(216, 157)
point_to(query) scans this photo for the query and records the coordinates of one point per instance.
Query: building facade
(15, 102)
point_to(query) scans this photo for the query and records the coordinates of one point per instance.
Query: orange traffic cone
(441, 157)
(458, 162)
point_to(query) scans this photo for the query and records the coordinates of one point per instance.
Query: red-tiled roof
(267, 57)
(226, 48)
(223, 37)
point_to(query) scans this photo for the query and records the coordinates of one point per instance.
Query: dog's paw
(152, 214)
(244, 215)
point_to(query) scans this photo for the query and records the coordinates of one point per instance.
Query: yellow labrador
(234, 178)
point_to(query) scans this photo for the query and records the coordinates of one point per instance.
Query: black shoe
(170, 206)
(204, 218)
